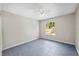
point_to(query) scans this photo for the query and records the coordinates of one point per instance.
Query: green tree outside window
(51, 26)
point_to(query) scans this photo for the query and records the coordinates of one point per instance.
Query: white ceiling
(31, 10)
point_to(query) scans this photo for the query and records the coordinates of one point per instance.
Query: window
(50, 28)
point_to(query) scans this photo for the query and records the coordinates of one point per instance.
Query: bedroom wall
(65, 29)
(18, 30)
(0, 37)
(77, 29)
(0, 33)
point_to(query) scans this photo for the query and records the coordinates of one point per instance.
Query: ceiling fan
(38, 10)
(41, 12)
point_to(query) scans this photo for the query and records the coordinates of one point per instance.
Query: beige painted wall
(18, 30)
(77, 30)
(0, 37)
(0, 33)
(65, 29)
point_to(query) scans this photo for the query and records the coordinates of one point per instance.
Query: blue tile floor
(42, 47)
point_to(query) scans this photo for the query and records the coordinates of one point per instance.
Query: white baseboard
(17, 44)
(32, 40)
(61, 41)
